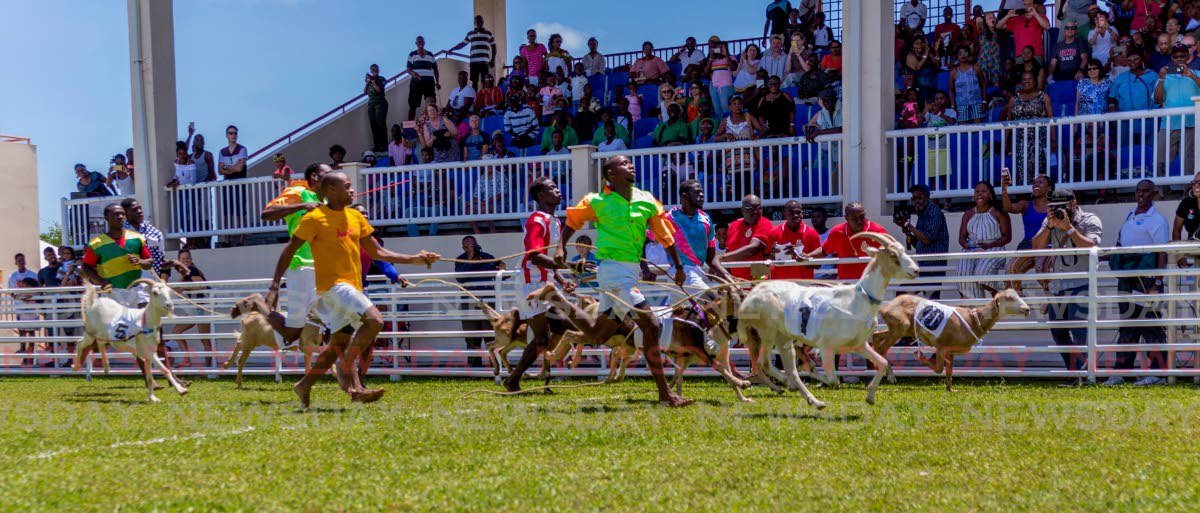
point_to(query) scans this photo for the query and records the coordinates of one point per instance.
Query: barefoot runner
(335, 232)
(621, 214)
(299, 198)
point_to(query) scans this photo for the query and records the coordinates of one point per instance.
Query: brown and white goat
(256, 331)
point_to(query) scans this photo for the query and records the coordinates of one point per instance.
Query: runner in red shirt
(749, 238)
(797, 238)
(839, 244)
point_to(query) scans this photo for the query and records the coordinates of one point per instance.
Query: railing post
(1195, 135)
(582, 179)
(1093, 311)
(1172, 331)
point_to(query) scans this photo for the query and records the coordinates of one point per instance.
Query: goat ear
(236, 312)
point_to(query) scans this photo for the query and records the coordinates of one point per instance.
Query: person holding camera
(1177, 84)
(377, 108)
(1067, 226)
(929, 235)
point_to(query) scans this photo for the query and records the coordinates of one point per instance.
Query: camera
(1059, 211)
(901, 215)
(1020, 10)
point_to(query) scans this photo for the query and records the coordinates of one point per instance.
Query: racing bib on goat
(127, 325)
(806, 310)
(931, 318)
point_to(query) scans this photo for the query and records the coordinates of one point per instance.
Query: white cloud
(574, 41)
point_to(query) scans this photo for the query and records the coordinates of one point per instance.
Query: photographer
(929, 235)
(1144, 226)
(374, 87)
(1066, 226)
(1177, 84)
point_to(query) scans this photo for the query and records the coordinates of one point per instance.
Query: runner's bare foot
(675, 401)
(546, 293)
(367, 396)
(302, 392)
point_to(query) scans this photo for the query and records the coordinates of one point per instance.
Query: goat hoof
(820, 405)
(746, 400)
(155, 399)
(871, 400)
(183, 392)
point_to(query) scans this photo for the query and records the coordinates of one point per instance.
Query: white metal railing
(489, 190)
(427, 345)
(83, 218)
(1082, 152)
(222, 208)
(777, 170)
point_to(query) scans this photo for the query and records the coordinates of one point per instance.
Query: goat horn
(144, 281)
(881, 238)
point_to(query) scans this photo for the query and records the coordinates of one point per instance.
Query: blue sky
(268, 66)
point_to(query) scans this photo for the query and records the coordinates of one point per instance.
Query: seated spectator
(633, 101)
(720, 68)
(609, 140)
(556, 144)
(1102, 39)
(622, 116)
(368, 158)
(674, 131)
(518, 73)
(755, 92)
(812, 81)
(557, 58)
(747, 69)
(983, 228)
(1161, 56)
(90, 184)
(475, 144)
(593, 60)
(774, 61)
(606, 116)
(400, 150)
(828, 120)
(777, 111)
(707, 133)
(120, 176)
(689, 55)
(490, 99)
(647, 68)
(1028, 26)
(549, 93)
(426, 201)
(1070, 56)
(667, 95)
(832, 62)
(1091, 94)
(1144, 226)
(705, 112)
(491, 193)
(521, 124)
(439, 132)
(739, 125)
(1175, 88)
(564, 86)
(697, 94)
(1027, 63)
(497, 149)
(337, 156)
(561, 122)
(968, 88)
(462, 97)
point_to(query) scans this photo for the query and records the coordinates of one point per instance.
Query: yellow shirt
(333, 236)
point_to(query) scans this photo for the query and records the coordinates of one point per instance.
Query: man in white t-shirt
(462, 97)
(689, 55)
(914, 13)
(1143, 226)
(21, 273)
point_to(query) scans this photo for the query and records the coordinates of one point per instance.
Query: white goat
(837, 319)
(134, 330)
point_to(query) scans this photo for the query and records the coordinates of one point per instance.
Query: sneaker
(1149, 380)
(1114, 380)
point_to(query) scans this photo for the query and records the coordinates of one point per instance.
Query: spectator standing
(749, 239)
(1028, 26)
(1144, 226)
(1070, 56)
(689, 55)
(838, 243)
(989, 59)
(48, 276)
(231, 165)
(440, 133)
(1033, 210)
(923, 65)
(1172, 30)
(822, 34)
(462, 97)
(472, 251)
(648, 68)
(913, 14)
(983, 228)
(930, 235)
(556, 57)
(777, 18)
(1029, 145)
(27, 308)
(194, 293)
(1187, 214)
(68, 270)
(1067, 226)
(747, 69)
(521, 124)
(534, 54)
(947, 36)
(1102, 39)
(1177, 85)
(1027, 63)
(1134, 89)
(593, 60)
(775, 60)
(426, 200)
(968, 87)
(794, 238)
(1091, 94)
(579, 87)
(377, 108)
(90, 183)
(426, 82)
(1146, 13)
(939, 114)
(135, 220)
(206, 169)
(482, 49)
(337, 156)
(120, 176)
(14, 279)
(720, 68)
(1075, 12)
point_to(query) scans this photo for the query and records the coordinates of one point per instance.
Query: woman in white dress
(984, 228)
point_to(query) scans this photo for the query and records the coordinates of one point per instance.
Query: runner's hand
(569, 287)
(310, 206)
(679, 277)
(429, 257)
(402, 281)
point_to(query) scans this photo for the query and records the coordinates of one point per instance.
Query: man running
(542, 231)
(298, 198)
(116, 259)
(334, 233)
(621, 214)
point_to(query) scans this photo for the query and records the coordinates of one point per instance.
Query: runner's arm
(285, 260)
(377, 252)
(274, 212)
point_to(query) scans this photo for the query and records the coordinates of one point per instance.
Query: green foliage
(53, 235)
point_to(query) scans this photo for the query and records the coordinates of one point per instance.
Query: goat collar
(872, 299)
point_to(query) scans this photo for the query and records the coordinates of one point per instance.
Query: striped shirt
(422, 65)
(480, 42)
(521, 122)
(154, 242)
(110, 257)
(541, 230)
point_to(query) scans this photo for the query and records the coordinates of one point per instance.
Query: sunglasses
(230, 133)
(1071, 28)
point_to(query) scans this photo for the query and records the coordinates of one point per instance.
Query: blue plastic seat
(676, 68)
(645, 141)
(1130, 157)
(598, 85)
(1062, 97)
(791, 91)
(491, 124)
(617, 78)
(644, 126)
(649, 93)
(943, 81)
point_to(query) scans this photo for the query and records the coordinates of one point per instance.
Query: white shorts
(300, 296)
(619, 279)
(341, 306)
(693, 280)
(530, 309)
(130, 297)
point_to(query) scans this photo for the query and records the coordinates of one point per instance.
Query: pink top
(649, 68)
(722, 72)
(635, 106)
(535, 58)
(1140, 8)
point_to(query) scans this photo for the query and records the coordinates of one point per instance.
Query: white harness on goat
(806, 310)
(931, 318)
(129, 324)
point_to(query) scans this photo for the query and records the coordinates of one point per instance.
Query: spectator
(423, 67)
(337, 156)
(667, 95)
(1144, 226)
(777, 18)
(439, 132)
(68, 271)
(983, 228)
(838, 243)
(377, 106)
(497, 148)
(185, 169)
(913, 15)
(775, 60)
(632, 103)
(120, 176)
(534, 54)
(1176, 87)
(922, 64)
(813, 82)
(689, 55)
(989, 60)
(1146, 13)
(1102, 39)
(579, 82)
(472, 251)
(483, 51)
(822, 34)
(827, 120)
(747, 70)
(720, 68)
(549, 93)
(1161, 56)
(739, 125)
(674, 131)
(475, 144)
(697, 94)
(706, 133)
(400, 150)
(231, 165)
(648, 68)
(206, 169)
(556, 57)
(426, 196)
(583, 249)
(606, 116)
(1028, 63)
(749, 239)
(1189, 42)
(519, 74)
(1091, 95)
(777, 110)
(831, 63)
(1134, 89)
(593, 60)
(562, 123)
(947, 36)
(462, 98)
(930, 235)
(556, 144)
(797, 59)
(281, 172)
(1070, 56)
(491, 191)
(1075, 12)
(91, 184)
(1172, 30)
(521, 124)
(368, 158)
(48, 276)
(609, 140)
(1187, 215)
(968, 87)
(1033, 210)
(1067, 226)
(794, 238)
(1029, 145)
(14, 279)
(135, 221)
(1028, 26)
(490, 99)
(194, 293)
(27, 306)
(939, 114)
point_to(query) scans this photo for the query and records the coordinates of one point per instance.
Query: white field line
(139, 443)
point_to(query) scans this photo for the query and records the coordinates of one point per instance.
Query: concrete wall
(19, 210)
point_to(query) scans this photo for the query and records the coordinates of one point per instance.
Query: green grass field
(69, 445)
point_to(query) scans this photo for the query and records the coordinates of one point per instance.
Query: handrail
(1053, 121)
(667, 50)
(14, 139)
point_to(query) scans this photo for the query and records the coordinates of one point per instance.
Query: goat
(256, 331)
(134, 330)
(689, 335)
(832, 319)
(959, 332)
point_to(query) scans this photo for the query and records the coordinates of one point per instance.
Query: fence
(777, 170)
(83, 218)
(1081, 152)
(428, 346)
(222, 208)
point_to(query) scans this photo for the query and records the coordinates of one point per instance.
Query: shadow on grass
(654, 402)
(105, 400)
(800, 416)
(318, 410)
